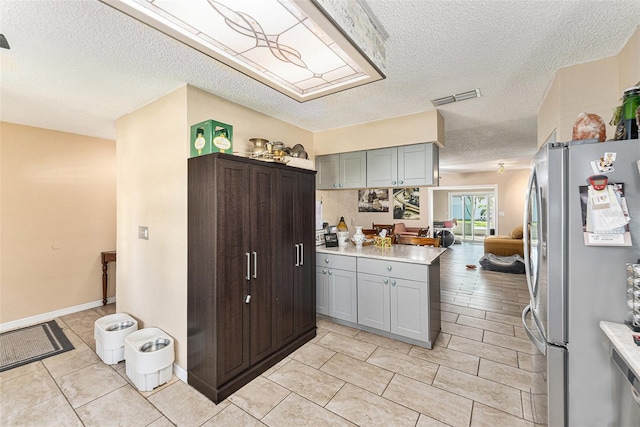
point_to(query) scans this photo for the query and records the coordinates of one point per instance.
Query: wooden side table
(107, 257)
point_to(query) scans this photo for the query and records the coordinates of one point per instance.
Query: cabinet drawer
(341, 262)
(401, 270)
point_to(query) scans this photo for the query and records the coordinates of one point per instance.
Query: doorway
(475, 213)
(474, 207)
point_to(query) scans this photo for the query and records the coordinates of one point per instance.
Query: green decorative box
(211, 137)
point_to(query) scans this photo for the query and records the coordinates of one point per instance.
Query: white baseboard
(180, 372)
(28, 321)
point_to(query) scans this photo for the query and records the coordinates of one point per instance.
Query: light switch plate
(143, 232)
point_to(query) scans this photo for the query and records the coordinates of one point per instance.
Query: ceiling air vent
(457, 97)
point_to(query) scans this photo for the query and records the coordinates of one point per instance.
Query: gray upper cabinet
(418, 165)
(346, 170)
(382, 167)
(406, 166)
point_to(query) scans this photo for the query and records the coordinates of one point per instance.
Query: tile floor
(476, 375)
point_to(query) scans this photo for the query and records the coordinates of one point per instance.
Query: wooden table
(107, 257)
(419, 241)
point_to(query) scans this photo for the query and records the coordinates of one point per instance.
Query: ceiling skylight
(293, 47)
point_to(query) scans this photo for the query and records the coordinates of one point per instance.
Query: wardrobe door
(305, 273)
(232, 251)
(262, 286)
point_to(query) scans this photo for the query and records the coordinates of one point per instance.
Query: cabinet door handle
(247, 299)
(297, 255)
(401, 182)
(393, 183)
(324, 271)
(301, 254)
(248, 265)
(341, 185)
(386, 281)
(388, 268)
(330, 272)
(393, 283)
(335, 185)
(255, 265)
(326, 260)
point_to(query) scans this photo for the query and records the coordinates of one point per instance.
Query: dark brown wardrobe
(251, 269)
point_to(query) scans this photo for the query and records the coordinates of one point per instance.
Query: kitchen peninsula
(393, 292)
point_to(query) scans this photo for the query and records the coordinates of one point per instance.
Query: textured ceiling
(77, 66)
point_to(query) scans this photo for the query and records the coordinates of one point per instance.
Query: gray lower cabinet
(336, 291)
(390, 299)
(396, 299)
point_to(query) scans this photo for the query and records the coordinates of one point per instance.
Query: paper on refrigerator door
(605, 213)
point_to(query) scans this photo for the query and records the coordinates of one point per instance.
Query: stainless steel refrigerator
(573, 286)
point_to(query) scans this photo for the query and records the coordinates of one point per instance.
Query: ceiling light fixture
(3, 42)
(295, 47)
(500, 168)
(456, 97)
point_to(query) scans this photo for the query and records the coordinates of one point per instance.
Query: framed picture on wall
(406, 203)
(373, 200)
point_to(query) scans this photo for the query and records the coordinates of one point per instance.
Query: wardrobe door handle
(385, 281)
(301, 254)
(248, 265)
(297, 255)
(393, 283)
(255, 265)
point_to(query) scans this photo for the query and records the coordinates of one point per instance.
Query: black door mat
(31, 344)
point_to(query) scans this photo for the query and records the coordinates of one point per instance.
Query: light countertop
(621, 338)
(402, 253)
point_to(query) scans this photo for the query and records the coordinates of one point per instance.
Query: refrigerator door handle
(540, 345)
(525, 237)
(532, 271)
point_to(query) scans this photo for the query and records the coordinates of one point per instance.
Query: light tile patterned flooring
(476, 375)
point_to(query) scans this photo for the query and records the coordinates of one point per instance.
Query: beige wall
(512, 187)
(153, 147)
(337, 203)
(246, 123)
(585, 88)
(629, 63)
(594, 87)
(411, 129)
(152, 191)
(58, 200)
(511, 194)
